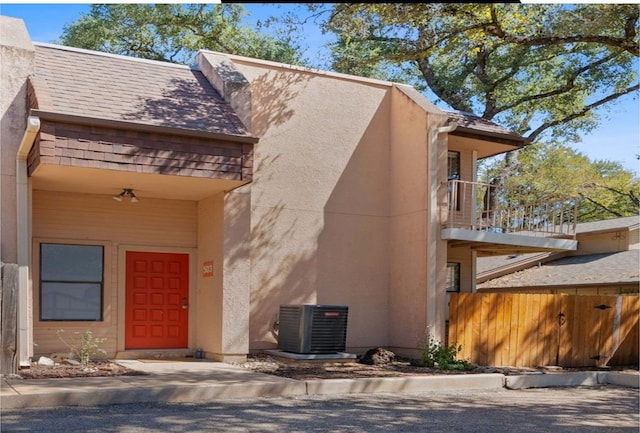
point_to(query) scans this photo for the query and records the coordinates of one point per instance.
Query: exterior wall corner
(229, 82)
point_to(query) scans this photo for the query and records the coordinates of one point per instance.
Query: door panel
(157, 300)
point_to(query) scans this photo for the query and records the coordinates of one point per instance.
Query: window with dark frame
(71, 282)
(453, 277)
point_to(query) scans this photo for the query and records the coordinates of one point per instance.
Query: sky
(616, 139)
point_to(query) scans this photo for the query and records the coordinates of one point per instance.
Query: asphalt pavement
(207, 396)
(583, 409)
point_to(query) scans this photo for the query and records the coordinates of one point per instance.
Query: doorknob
(185, 304)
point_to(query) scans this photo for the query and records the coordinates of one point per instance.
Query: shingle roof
(491, 263)
(610, 224)
(619, 267)
(470, 122)
(104, 86)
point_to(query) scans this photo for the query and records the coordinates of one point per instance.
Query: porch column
(436, 250)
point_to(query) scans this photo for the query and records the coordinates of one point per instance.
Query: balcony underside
(487, 243)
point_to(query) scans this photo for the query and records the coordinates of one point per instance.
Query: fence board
(513, 331)
(502, 331)
(492, 318)
(548, 331)
(9, 318)
(474, 310)
(543, 329)
(628, 333)
(483, 329)
(521, 354)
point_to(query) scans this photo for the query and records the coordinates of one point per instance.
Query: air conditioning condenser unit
(313, 329)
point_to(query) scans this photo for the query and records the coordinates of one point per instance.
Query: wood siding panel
(99, 220)
(85, 216)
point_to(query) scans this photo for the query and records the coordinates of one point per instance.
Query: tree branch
(581, 112)
(601, 206)
(569, 84)
(626, 43)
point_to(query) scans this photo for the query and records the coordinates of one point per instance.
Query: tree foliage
(546, 172)
(535, 68)
(175, 32)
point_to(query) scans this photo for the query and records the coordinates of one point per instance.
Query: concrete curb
(169, 394)
(586, 378)
(122, 393)
(405, 384)
(628, 379)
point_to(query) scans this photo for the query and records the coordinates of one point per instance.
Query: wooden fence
(533, 330)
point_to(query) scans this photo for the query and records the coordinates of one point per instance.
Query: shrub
(83, 345)
(435, 354)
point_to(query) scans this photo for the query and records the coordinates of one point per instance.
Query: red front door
(157, 300)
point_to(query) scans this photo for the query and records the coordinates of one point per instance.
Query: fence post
(8, 317)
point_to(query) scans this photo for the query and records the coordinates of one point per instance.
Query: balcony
(503, 220)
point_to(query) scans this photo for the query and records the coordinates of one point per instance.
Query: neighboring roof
(491, 266)
(491, 263)
(610, 268)
(91, 84)
(471, 124)
(610, 224)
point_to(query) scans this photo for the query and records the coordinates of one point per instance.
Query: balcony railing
(485, 207)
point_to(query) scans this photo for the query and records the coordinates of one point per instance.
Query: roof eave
(494, 137)
(122, 124)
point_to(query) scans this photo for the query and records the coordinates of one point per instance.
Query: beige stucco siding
(208, 308)
(18, 62)
(222, 323)
(150, 224)
(320, 199)
(408, 246)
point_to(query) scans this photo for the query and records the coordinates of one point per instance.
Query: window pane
(71, 301)
(453, 277)
(453, 166)
(71, 263)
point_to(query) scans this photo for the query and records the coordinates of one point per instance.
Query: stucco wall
(222, 306)
(208, 329)
(119, 226)
(17, 64)
(319, 199)
(411, 177)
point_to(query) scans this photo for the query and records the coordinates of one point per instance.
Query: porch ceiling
(487, 243)
(483, 147)
(111, 182)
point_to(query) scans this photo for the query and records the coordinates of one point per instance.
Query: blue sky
(617, 138)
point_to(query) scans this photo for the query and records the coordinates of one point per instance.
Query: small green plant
(83, 345)
(435, 354)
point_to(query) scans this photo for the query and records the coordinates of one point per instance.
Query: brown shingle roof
(469, 123)
(619, 267)
(117, 88)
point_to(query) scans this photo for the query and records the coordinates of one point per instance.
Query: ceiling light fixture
(126, 192)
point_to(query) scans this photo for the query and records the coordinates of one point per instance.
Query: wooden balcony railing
(485, 207)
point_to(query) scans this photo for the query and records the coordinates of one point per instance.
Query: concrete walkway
(171, 381)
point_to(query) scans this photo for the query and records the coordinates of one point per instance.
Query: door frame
(121, 288)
